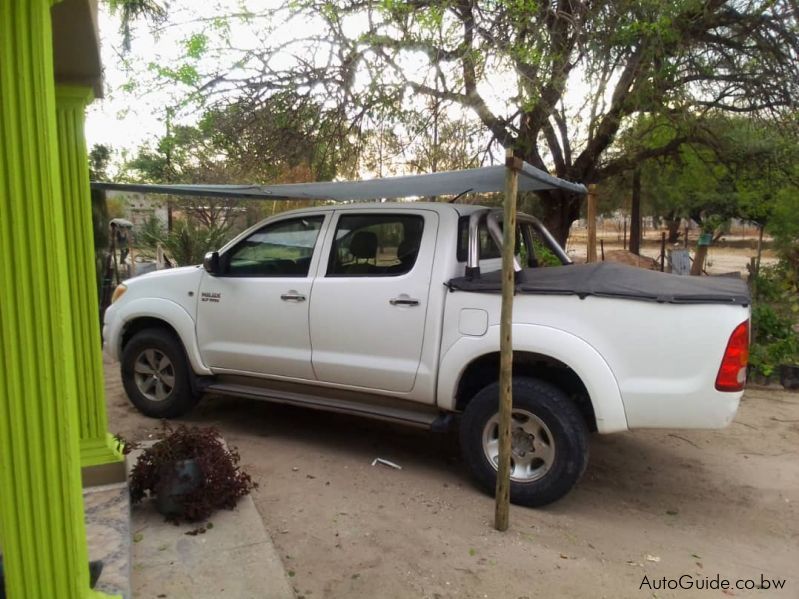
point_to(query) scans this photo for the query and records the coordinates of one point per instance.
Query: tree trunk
(559, 210)
(673, 225)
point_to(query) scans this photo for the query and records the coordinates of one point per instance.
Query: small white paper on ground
(386, 463)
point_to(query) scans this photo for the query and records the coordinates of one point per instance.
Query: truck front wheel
(155, 374)
(549, 441)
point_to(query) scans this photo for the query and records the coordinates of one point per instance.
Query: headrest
(364, 245)
(407, 249)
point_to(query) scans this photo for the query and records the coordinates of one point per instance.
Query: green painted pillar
(97, 447)
(42, 530)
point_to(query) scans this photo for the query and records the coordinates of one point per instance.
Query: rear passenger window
(375, 245)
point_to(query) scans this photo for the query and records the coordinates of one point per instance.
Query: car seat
(362, 247)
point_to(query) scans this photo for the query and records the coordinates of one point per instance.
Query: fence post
(591, 222)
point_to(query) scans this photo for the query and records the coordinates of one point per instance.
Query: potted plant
(190, 473)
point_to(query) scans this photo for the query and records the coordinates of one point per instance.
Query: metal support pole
(502, 507)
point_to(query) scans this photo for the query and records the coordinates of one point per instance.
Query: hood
(181, 271)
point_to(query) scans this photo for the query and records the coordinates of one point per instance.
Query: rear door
(370, 298)
(253, 318)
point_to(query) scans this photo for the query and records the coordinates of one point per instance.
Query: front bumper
(111, 332)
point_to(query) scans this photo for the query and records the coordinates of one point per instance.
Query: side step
(390, 413)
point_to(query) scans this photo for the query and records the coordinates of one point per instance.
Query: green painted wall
(42, 530)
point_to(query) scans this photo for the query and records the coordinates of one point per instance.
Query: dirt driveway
(654, 504)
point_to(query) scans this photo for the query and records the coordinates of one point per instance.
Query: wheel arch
(553, 355)
(166, 315)
(483, 371)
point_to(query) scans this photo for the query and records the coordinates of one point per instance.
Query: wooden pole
(635, 214)
(591, 221)
(502, 507)
(662, 251)
(624, 237)
(699, 260)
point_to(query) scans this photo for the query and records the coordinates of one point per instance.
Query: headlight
(119, 292)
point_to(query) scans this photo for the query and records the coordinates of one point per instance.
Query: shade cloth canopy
(483, 179)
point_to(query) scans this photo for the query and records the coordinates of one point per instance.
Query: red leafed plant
(220, 482)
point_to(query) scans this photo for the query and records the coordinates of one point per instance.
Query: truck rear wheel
(549, 441)
(155, 374)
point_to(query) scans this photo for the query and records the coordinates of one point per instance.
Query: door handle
(403, 301)
(292, 296)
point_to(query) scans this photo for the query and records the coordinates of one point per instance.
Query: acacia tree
(738, 168)
(556, 81)
(286, 138)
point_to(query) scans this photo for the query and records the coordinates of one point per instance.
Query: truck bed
(607, 279)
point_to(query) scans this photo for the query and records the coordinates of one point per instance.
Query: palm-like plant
(187, 243)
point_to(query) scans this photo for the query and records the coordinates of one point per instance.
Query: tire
(155, 374)
(549, 439)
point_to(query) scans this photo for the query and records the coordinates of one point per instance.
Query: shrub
(187, 243)
(774, 313)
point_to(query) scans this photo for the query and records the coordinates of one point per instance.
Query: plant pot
(184, 478)
(789, 376)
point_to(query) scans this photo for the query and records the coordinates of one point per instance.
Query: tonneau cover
(608, 279)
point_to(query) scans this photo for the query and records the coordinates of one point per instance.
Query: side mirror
(211, 263)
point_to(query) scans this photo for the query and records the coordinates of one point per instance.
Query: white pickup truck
(391, 311)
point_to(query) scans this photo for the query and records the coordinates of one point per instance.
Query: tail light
(732, 372)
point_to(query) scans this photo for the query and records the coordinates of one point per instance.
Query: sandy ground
(654, 503)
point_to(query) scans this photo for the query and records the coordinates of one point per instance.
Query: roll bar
(492, 218)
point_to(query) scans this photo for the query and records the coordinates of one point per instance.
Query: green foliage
(544, 254)
(775, 313)
(559, 82)
(784, 226)
(187, 243)
(283, 138)
(727, 167)
(99, 157)
(196, 45)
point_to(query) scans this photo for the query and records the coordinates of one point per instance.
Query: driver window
(282, 249)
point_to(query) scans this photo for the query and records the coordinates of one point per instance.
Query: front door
(253, 318)
(370, 298)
